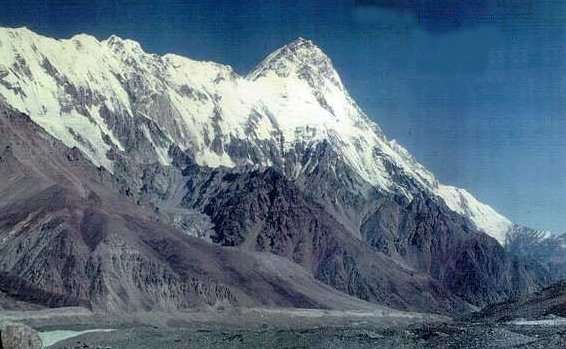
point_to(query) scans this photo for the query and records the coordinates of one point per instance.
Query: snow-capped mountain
(110, 96)
(543, 247)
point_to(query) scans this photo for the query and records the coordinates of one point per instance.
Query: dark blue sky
(474, 89)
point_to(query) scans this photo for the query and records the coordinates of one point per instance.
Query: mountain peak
(117, 43)
(301, 42)
(301, 58)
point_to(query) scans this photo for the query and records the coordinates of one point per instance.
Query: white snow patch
(161, 150)
(75, 130)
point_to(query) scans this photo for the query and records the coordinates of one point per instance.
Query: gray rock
(18, 336)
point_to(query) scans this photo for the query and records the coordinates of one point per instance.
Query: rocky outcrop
(18, 336)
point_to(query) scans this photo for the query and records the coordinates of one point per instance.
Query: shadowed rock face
(260, 209)
(546, 302)
(542, 250)
(433, 240)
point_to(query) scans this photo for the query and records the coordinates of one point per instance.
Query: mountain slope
(260, 210)
(431, 251)
(110, 96)
(548, 302)
(540, 248)
(68, 238)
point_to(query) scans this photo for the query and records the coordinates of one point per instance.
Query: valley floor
(281, 328)
(437, 336)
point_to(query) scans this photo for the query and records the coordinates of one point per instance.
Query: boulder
(19, 336)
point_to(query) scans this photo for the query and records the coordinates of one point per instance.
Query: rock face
(262, 210)
(430, 238)
(541, 249)
(548, 302)
(18, 336)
